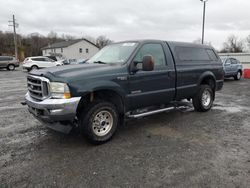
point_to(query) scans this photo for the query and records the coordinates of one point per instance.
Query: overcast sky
(178, 20)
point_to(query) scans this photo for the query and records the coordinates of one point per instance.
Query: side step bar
(150, 112)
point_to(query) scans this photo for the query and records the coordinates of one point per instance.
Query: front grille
(38, 87)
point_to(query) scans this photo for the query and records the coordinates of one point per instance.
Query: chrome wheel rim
(102, 123)
(11, 67)
(34, 68)
(206, 98)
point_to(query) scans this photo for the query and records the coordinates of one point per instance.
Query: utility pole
(203, 23)
(13, 24)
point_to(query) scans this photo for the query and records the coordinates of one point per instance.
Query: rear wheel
(203, 100)
(99, 121)
(11, 67)
(238, 76)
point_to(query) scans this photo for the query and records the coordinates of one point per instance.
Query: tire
(98, 121)
(204, 99)
(34, 67)
(238, 76)
(11, 67)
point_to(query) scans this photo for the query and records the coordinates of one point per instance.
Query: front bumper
(57, 114)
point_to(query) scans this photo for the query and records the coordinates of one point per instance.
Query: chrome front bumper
(57, 114)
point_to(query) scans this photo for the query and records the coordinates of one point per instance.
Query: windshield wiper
(100, 62)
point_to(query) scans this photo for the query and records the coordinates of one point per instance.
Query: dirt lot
(175, 149)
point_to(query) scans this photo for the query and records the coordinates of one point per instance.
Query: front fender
(82, 89)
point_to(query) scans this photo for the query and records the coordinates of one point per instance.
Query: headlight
(59, 90)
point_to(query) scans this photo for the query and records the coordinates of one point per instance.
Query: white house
(72, 49)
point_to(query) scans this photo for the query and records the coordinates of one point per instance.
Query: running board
(150, 112)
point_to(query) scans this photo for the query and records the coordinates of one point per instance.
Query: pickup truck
(128, 79)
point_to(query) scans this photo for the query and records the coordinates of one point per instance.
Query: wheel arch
(10, 64)
(109, 95)
(208, 78)
(34, 64)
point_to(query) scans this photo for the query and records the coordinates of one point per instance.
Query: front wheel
(99, 121)
(203, 100)
(238, 76)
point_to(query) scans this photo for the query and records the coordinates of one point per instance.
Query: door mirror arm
(147, 64)
(133, 67)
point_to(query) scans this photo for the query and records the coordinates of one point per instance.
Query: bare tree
(52, 36)
(6, 43)
(248, 41)
(67, 37)
(30, 45)
(102, 41)
(233, 44)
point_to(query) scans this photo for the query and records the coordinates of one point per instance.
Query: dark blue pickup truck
(128, 79)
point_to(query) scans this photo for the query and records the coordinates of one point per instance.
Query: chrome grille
(38, 87)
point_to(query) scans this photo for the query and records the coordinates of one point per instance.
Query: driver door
(149, 88)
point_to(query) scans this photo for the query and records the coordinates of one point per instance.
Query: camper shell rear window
(191, 54)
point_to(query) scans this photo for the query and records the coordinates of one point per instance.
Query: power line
(15, 25)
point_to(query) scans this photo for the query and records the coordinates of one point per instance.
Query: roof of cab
(171, 43)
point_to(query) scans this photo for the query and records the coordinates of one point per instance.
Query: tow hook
(23, 103)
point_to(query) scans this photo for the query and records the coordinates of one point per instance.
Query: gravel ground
(174, 149)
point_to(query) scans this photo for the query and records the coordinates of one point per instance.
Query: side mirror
(148, 63)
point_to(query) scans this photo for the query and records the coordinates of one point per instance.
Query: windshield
(223, 59)
(114, 53)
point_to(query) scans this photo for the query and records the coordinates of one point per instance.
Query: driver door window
(155, 50)
(234, 62)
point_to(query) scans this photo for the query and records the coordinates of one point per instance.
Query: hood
(67, 73)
